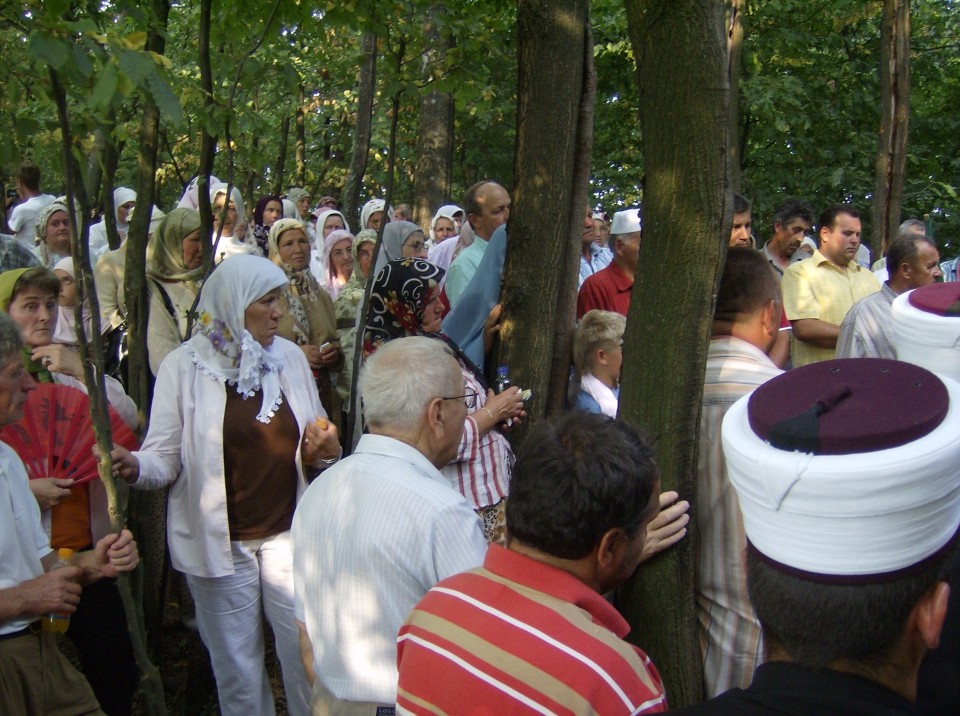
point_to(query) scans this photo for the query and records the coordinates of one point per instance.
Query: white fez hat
(625, 222)
(926, 327)
(847, 470)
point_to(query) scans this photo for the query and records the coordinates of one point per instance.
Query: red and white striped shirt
(518, 636)
(481, 471)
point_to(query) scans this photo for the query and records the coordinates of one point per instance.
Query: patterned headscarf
(400, 293)
(260, 231)
(301, 286)
(222, 346)
(166, 261)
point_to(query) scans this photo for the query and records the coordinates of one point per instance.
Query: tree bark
(433, 176)
(735, 12)
(282, 154)
(554, 119)
(361, 134)
(894, 120)
(681, 52)
(300, 169)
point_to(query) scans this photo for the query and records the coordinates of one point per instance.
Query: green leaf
(51, 50)
(137, 66)
(105, 88)
(167, 102)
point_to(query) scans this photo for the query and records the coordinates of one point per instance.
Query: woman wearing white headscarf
(232, 241)
(124, 199)
(233, 427)
(444, 224)
(328, 221)
(53, 233)
(371, 215)
(66, 331)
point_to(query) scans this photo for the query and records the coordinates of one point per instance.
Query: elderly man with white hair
(381, 527)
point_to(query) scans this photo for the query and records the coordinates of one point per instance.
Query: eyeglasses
(469, 398)
(415, 246)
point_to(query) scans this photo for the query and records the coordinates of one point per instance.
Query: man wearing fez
(850, 525)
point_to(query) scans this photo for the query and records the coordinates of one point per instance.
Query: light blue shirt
(463, 268)
(600, 258)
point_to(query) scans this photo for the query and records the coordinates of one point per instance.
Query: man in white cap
(867, 329)
(818, 292)
(609, 289)
(745, 329)
(851, 525)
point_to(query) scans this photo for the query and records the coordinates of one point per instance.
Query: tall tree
(681, 51)
(894, 121)
(434, 155)
(735, 10)
(555, 96)
(361, 133)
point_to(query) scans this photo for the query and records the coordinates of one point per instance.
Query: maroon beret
(942, 299)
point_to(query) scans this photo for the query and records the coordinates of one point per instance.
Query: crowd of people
(417, 565)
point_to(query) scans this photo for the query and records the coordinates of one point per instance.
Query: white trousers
(230, 616)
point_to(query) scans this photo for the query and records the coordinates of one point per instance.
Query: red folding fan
(55, 435)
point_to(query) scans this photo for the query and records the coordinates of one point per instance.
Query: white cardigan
(184, 449)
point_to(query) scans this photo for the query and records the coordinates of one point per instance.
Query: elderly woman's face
(68, 289)
(444, 229)
(263, 316)
(271, 212)
(365, 257)
(332, 223)
(294, 249)
(432, 313)
(192, 248)
(374, 221)
(414, 246)
(58, 232)
(342, 260)
(229, 221)
(35, 313)
(303, 206)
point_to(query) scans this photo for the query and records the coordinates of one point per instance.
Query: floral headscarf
(166, 261)
(301, 284)
(398, 298)
(222, 346)
(260, 231)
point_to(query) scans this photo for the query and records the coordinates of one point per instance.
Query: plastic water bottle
(54, 622)
(501, 384)
(503, 380)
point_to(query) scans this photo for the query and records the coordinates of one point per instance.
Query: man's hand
(113, 554)
(57, 591)
(668, 527)
(48, 491)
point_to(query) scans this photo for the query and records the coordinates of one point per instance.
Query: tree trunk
(208, 142)
(894, 120)
(434, 171)
(282, 154)
(681, 52)
(554, 120)
(735, 12)
(350, 201)
(300, 170)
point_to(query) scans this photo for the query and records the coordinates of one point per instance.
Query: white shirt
(184, 449)
(22, 219)
(370, 537)
(22, 541)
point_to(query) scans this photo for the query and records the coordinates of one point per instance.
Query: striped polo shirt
(518, 636)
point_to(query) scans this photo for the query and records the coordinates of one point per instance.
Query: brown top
(259, 467)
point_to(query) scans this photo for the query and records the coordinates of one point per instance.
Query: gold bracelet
(490, 414)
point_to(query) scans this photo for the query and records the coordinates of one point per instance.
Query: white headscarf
(66, 332)
(222, 347)
(372, 206)
(122, 195)
(221, 188)
(445, 212)
(189, 199)
(290, 210)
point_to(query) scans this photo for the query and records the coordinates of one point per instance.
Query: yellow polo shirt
(816, 288)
